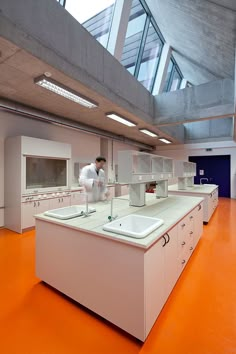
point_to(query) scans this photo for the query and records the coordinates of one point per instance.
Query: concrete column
(162, 69)
(119, 27)
(183, 84)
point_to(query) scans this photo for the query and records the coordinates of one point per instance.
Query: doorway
(214, 170)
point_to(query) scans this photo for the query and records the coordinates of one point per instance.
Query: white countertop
(197, 188)
(171, 210)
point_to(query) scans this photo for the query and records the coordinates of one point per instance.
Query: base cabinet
(136, 282)
(31, 208)
(165, 261)
(59, 202)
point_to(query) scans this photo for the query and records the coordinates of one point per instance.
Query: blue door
(216, 170)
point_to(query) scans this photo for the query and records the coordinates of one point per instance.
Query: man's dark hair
(101, 158)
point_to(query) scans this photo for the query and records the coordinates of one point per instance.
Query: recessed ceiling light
(64, 91)
(164, 140)
(147, 132)
(120, 119)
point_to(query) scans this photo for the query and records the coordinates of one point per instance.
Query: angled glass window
(150, 58)
(134, 36)
(95, 16)
(176, 80)
(168, 76)
(62, 2)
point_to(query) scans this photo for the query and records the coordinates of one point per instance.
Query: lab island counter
(207, 191)
(125, 280)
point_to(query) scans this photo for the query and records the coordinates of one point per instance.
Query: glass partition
(134, 36)
(95, 16)
(150, 58)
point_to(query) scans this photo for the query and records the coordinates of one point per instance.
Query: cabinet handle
(59, 200)
(191, 232)
(183, 225)
(38, 203)
(62, 199)
(191, 217)
(191, 248)
(165, 241)
(168, 240)
(199, 207)
(211, 195)
(34, 204)
(183, 261)
(183, 243)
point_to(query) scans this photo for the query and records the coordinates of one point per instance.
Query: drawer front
(183, 260)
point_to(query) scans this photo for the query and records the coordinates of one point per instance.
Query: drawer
(183, 260)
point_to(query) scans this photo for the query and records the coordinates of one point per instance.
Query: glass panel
(170, 67)
(61, 2)
(95, 16)
(150, 58)
(133, 36)
(176, 81)
(45, 172)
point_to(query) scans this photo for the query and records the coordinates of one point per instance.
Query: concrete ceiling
(202, 34)
(18, 69)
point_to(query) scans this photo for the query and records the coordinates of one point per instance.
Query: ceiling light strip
(148, 132)
(120, 119)
(57, 88)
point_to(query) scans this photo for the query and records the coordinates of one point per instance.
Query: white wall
(85, 147)
(182, 152)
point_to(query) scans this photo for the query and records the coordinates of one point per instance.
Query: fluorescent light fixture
(63, 91)
(120, 119)
(164, 140)
(147, 132)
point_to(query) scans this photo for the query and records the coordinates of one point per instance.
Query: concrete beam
(177, 132)
(207, 101)
(59, 40)
(209, 130)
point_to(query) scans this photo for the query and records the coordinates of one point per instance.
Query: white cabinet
(140, 167)
(31, 208)
(210, 204)
(170, 249)
(60, 202)
(184, 168)
(154, 266)
(165, 261)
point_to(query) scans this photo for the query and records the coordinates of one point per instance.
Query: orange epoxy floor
(198, 318)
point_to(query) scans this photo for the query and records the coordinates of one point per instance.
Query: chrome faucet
(203, 178)
(111, 217)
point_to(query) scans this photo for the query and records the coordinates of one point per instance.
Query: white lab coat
(88, 178)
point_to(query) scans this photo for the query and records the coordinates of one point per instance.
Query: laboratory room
(117, 177)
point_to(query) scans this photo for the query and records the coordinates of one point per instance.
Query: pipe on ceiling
(33, 113)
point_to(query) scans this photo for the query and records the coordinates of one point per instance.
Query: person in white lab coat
(92, 178)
